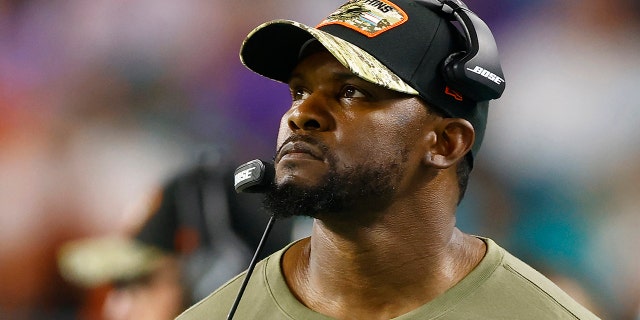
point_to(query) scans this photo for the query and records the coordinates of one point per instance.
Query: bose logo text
(243, 175)
(487, 74)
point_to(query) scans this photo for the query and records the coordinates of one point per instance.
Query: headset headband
(475, 72)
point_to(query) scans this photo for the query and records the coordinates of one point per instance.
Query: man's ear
(450, 141)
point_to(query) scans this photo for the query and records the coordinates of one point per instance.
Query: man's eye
(352, 92)
(298, 94)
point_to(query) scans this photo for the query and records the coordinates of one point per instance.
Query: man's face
(345, 144)
(158, 295)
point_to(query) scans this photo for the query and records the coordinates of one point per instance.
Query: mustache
(315, 142)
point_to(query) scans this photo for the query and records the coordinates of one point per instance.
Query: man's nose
(311, 114)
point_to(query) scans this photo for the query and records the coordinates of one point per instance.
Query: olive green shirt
(500, 287)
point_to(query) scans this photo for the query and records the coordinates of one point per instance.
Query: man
(190, 242)
(376, 147)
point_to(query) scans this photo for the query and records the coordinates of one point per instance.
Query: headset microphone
(255, 176)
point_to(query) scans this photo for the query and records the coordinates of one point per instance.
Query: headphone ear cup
(448, 70)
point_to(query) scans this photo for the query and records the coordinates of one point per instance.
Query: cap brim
(96, 261)
(272, 50)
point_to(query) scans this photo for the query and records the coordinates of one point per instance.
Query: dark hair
(463, 170)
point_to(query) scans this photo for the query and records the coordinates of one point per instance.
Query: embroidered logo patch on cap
(369, 17)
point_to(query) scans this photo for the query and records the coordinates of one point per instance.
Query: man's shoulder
(257, 298)
(218, 304)
(520, 288)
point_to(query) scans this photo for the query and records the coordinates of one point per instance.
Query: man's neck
(378, 271)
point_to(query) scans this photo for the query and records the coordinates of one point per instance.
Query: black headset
(476, 71)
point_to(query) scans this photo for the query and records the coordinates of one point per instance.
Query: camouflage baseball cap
(400, 45)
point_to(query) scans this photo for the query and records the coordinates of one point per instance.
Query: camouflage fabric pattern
(369, 17)
(360, 62)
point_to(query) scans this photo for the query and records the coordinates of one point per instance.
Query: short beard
(359, 188)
